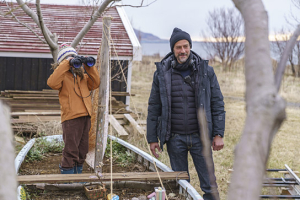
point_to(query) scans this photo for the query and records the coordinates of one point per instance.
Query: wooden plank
(27, 62)
(36, 113)
(103, 96)
(121, 122)
(121, 116)
(10, 73)
(34, 74)
(119, 129)
(136, 127)
(36, 98)
(3, 67)
(31, 91)
(115, 93)
(30, 119)
(38, 118)
(31, 95)
(130, 176)
(31, 102)
(35, 105)
(40, 110)
(18, 74)
(41, 79)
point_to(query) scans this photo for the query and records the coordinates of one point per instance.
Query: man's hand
(217, 143)
(153, 146)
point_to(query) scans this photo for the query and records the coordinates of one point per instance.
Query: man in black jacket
(182, 84)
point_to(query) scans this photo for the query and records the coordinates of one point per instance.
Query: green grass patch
(120, 153)
(41, 147)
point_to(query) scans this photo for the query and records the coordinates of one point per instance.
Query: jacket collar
(169, 58)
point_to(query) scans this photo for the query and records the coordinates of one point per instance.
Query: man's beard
(182, 60)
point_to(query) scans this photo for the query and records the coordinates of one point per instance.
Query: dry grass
(284, 147)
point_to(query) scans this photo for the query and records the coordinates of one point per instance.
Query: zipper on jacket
(185, 104)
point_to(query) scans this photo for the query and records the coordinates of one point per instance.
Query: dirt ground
(49, 165)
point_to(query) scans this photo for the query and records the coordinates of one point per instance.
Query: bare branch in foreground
(206, 143)
(282, 63)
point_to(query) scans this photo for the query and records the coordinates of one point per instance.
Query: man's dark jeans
(178, 147)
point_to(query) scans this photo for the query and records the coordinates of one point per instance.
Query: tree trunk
(8, 184)
(265, 108)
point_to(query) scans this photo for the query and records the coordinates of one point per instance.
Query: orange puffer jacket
(72, 105)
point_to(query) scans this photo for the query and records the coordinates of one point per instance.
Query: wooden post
(102, 119)
(8, 184)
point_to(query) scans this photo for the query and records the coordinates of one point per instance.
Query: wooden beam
(130, 176)
(27, 119)
(32, 95)
(121, 116)
(57, 113)
(136, 127)
(36, 98)
(103, 101)
(118, 127)
(30, 91)
(121, 94)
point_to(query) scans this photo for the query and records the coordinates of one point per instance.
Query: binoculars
(78, 60)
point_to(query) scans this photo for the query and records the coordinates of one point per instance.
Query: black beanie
(177, 35)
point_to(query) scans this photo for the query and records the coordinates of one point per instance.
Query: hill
(147, 37)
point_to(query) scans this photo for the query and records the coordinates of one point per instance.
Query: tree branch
(24, 24)
(51, 44)
(140, 6)
(89, 24)
(32, 14)
(287, 51)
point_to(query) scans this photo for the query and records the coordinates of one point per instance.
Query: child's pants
(76, 138)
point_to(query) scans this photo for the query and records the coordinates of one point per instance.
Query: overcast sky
(189, 15)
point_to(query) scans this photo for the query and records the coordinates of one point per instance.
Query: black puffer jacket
(183, 103)
(207, 95)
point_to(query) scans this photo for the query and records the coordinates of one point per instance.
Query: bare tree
(278, 46)
(52, 38)
(265, 108)
(225, 41)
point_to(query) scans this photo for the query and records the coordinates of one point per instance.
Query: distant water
(163, 48)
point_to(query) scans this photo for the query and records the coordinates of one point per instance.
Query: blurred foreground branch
(8, 184)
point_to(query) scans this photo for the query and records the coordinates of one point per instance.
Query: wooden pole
(8, 183)
(102, 119)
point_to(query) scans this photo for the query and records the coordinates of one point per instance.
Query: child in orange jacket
(76, 107)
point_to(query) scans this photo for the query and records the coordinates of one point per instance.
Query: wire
(75, 77)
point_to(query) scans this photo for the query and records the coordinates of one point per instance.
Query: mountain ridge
(148, 37)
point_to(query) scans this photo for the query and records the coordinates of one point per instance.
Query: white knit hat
(64, 51)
